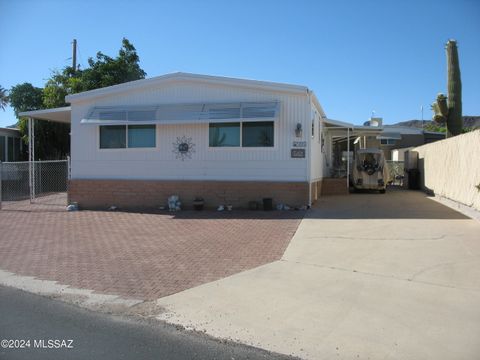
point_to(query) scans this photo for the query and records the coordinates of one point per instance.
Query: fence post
(69, 169)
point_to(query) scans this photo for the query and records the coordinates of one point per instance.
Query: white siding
(272, 164)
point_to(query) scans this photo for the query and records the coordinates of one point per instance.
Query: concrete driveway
(367, 276)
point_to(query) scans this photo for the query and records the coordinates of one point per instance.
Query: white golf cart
(369, 171)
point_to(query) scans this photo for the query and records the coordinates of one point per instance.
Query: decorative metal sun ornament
(183, 148)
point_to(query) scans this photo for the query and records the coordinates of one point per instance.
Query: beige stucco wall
(451, 168)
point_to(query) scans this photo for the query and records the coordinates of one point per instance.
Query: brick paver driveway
(144, 256)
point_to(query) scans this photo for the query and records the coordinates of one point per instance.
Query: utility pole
(74, 55)
(423, 122)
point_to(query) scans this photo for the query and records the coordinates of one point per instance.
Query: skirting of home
(131, 194)
(334, 186)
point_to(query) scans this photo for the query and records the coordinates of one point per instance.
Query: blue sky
(358, 56)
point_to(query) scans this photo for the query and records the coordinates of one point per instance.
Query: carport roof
(340, 127)
(61, 115)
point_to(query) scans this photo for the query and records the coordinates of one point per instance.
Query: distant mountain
(468, 122)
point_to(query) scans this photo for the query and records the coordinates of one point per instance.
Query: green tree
(25, 97)
(52, 139)
(3, 98)
(106, 71)
(102, 71)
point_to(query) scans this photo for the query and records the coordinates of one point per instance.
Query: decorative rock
(174, 203)
(72, 207)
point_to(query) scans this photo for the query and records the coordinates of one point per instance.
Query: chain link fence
(43, 182)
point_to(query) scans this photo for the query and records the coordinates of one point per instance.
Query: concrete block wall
(451, 168)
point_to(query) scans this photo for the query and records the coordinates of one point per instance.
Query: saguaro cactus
(449, 110)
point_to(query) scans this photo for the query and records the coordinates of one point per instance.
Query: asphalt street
(50, 329)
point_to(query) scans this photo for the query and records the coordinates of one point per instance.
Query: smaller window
(224, 134)
(113, 137)
(387, 141)
(141, 136)
(257, 134)
(319, 131)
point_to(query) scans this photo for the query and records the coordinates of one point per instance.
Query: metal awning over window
(182, 113)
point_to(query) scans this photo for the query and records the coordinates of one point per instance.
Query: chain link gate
(36, 185)
(396, 172)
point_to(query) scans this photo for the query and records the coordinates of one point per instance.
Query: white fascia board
(61, 114)
(317, 105)
(338, 123)
(160, 80)
(11, 131)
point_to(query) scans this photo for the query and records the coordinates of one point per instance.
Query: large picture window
(123, 136)
(245, 134)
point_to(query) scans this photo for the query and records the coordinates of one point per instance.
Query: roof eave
(180, 76)
(61, 114)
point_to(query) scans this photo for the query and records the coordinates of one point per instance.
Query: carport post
(31, 157)
(348, 157)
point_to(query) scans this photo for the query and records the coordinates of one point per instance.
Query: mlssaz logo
(53, 344)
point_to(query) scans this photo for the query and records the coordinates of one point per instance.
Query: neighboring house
(10, 144)
(230, 141)
(398, 137)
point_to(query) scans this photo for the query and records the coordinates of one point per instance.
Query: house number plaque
(297, 153)
(299, 144)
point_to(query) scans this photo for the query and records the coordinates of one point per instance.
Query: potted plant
(198, 203)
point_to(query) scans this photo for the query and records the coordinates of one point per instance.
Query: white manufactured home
(229, 141)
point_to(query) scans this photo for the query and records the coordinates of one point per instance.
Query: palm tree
(3, 98)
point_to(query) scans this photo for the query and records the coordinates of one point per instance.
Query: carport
(60, 115)
(337, 137)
